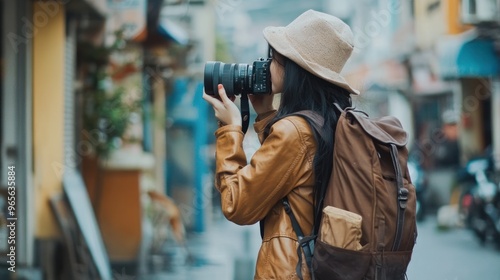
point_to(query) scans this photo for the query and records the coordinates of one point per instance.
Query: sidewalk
(225, 251)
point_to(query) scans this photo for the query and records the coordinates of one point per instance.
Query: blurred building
(457, 64)
(62, 65)
(455, 77)
(38, 66)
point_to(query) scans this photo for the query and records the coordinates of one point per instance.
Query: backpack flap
(387, 130)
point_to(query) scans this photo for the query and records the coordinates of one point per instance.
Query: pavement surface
(452, 254)
(225, 251)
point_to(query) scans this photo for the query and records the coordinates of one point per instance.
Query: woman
(293, 161)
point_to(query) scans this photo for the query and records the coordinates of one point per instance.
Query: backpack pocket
(391, 265)
(336, 263)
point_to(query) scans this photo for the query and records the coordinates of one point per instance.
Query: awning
(173, 30)
(462, 57)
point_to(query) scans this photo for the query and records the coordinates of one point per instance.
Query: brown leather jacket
(282, 166)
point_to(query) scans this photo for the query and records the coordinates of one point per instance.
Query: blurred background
(107, 145)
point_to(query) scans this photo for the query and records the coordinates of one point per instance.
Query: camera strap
(245, 112)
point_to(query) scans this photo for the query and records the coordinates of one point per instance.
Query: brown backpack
(369, 181)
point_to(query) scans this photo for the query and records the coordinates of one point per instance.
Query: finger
(211, 99)
(222, 94)
(207, 98)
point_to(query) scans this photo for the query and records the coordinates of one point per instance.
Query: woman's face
(277, 72)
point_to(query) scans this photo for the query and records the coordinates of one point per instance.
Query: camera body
(238, 78)
(262, 76)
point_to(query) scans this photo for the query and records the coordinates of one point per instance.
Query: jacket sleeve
(248, 192)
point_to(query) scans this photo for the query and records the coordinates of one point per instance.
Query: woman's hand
(262, 103)
(225, 110)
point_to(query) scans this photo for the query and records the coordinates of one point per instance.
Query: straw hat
(318, 42)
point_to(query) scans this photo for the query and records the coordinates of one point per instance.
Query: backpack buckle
(287, 207)
(403, 197)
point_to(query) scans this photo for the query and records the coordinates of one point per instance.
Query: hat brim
(277, 38)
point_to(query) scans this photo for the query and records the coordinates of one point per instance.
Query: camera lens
(211, 76)
(227, 78)
(236, 78)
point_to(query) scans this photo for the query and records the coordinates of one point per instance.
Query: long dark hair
(304, 91)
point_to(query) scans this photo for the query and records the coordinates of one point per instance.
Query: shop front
(471, 60)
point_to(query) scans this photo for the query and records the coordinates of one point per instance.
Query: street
(452, 254)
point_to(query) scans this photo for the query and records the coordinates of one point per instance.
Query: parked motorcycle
(480, 200)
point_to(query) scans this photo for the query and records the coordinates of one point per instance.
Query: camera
(238, 78)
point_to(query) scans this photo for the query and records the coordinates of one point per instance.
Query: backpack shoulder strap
(402, 197)
(314, 119)
(304, 242)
